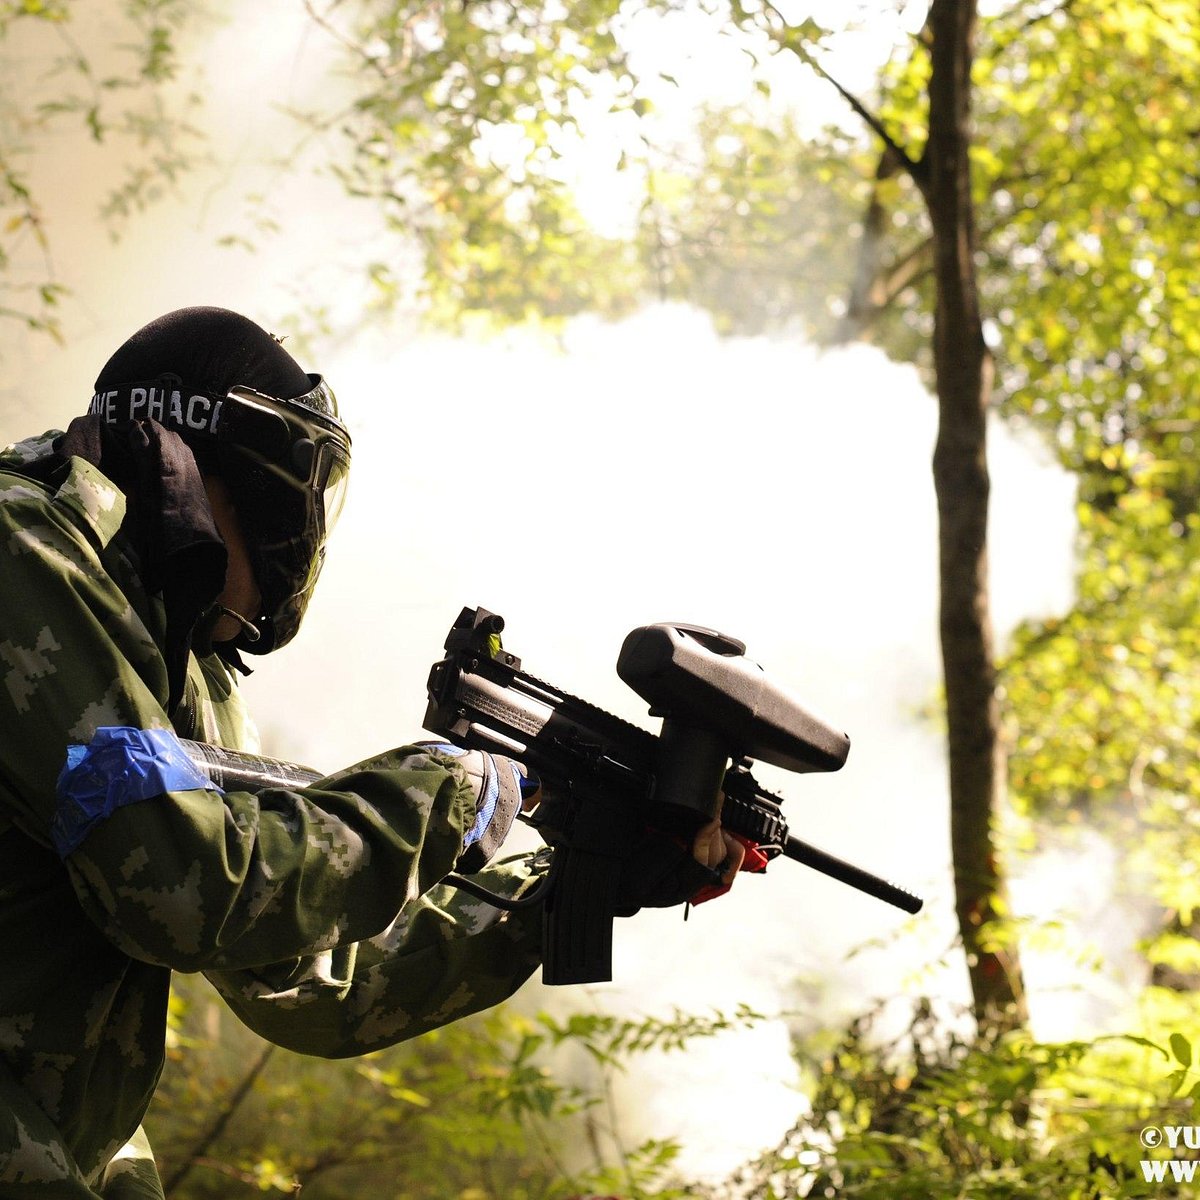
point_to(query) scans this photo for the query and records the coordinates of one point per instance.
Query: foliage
(1094, 209)
(754, 231)
(1109, 693)
(457, 131)
(112, 74)
(436, 1114)
(1091, 269)
(1104, 704)
(473, 127)
(1086, 190)
(926, 1114)
(500, 1107)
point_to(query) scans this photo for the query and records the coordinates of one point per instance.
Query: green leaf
(1181, 1048)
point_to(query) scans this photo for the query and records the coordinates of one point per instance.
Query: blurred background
(630, 309)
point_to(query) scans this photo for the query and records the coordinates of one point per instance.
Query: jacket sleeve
(194, 879)
(445, 956)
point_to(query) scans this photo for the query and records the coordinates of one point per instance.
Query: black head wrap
(212, 348)
(216, 350)
(250, 414)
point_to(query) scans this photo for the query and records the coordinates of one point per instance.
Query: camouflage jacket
(318, 914)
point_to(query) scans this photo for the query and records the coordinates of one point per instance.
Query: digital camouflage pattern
(316, 913)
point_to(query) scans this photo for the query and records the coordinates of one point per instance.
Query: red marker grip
(755, 862)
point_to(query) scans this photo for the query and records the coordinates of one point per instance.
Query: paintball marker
(606, 780)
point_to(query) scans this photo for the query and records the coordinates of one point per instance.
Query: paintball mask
(251, 415)
(286, 463)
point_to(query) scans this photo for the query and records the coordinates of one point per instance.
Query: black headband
(167, 400)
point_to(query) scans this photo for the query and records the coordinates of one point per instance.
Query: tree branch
(214, 1131)
(786, 39)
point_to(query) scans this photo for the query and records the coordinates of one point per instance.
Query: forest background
(677, 282)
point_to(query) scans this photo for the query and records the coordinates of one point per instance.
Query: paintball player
(178, 525)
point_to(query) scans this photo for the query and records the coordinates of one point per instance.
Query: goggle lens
(333, 495)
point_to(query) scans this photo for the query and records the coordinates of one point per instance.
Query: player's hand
(721, 851)
(715, 848)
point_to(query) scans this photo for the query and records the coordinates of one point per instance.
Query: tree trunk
(964, 369)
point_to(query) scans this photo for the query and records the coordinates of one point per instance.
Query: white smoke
(653, 471)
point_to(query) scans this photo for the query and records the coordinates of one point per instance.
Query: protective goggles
(286, 462)
(301, 442)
